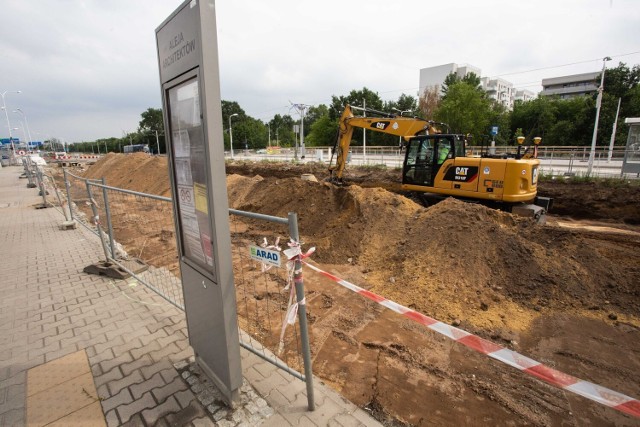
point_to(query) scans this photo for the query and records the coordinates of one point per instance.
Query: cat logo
(380, 125)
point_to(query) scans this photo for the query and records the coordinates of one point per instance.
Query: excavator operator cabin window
(460, 146)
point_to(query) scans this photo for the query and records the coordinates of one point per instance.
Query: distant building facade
(434, 76)
(498, 89)
(524, 95)
(571, 86)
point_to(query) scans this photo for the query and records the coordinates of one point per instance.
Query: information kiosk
(189, 75)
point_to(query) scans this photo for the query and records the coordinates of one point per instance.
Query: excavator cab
(425, 156)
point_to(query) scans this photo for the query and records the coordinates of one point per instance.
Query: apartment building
(571, 86)
(498, 89)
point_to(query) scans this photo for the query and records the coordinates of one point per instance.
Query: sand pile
(453, 260)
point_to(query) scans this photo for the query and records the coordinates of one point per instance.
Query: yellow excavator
(436, 164)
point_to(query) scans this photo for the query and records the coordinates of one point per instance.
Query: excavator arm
(386, 123)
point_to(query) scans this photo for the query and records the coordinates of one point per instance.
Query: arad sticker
(266, 256)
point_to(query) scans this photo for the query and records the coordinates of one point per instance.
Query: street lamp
(4, 107)
(592, 154)
(18, 110)
(231, 134)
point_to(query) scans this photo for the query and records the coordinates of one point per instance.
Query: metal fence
(78, 200)
(135, 225)
(554, 161)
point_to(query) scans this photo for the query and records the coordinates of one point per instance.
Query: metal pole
(158, 142)
(55, 188)
(43, 190)
(231, 135)
(68, 188)
(4, 107)
(302, 149)
(595, 126)
(613, 132)
(26, 122)
(96, 219)
(364, 134)
(108, 214)
(302, 314)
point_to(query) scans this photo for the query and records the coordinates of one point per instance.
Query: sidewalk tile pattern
(50, 309)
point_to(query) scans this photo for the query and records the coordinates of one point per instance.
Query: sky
(88, 69)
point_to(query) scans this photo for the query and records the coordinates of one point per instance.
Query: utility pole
(592, 154)
(158, 143)
(613, 132)
(301, 108)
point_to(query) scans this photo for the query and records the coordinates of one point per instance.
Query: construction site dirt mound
(565, 295)
(138, 172)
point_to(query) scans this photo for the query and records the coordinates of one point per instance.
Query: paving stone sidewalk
(133, 338)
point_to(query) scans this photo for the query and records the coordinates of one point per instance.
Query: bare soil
(565, 293)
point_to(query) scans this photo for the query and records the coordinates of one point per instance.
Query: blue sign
(494, 130)
(8, 141)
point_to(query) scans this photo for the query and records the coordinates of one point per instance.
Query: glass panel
(633, 144)
(188, 145)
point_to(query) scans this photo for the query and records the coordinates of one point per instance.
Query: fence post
(66, 185)
(109, 224)
(27, 167)
(43, 190)
(96, 218)
(302, 314)
(55, 188)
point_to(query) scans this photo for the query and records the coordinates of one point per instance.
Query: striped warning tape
(599, 394)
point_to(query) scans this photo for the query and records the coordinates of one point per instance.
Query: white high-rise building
(434, 76)
(500, 90)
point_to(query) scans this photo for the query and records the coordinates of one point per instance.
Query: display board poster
(189, 157)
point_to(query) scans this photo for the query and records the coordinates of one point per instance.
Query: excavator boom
(386, 123)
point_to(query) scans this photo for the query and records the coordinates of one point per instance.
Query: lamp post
(18, 110)
(231, 134)
(592, 154)
(4, 107)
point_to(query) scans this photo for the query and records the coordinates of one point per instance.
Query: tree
(557, 121)
(429, 101)
(453, 78)
(355, 98)
(152, 122)
(404, 103)
(282, 127)
(465, 110)
(323, 133)
(621, 83)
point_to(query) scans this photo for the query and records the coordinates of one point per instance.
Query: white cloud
(87, 69)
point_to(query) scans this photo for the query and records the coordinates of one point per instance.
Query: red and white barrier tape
(293, 276)
(591, 391)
